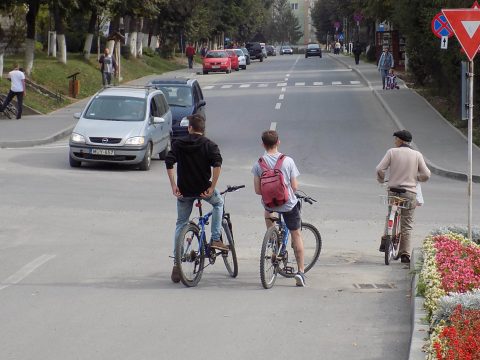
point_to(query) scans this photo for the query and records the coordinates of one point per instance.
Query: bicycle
(274, 258)
(10, 111)
(393, 223)
(192, 248)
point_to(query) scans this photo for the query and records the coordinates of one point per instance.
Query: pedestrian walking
(288, 205)
(406, 167)
(338, 46)
(190, 53)
(385, 63)
(199, 164)
(108, 67)
(17, 89)
(204, 50)
(357, 50)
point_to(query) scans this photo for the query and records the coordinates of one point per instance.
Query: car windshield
(116, 108)
(216, 54)
(313, 46)
(177, 95)
(239, 52)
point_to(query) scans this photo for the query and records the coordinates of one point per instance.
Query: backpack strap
(263, 164)
(279, 163)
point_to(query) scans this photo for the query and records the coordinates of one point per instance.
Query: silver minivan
(125, 125)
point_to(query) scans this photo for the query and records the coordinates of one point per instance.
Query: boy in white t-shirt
(291, 209)
(17, 89)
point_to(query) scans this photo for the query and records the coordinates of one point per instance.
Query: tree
(284, 26)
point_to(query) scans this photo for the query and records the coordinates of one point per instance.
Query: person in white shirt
(17, 89)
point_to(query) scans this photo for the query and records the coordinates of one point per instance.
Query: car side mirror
(158, 120)
(202, 103)
(77, 115)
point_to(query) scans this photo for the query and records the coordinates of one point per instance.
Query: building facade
(302, 10)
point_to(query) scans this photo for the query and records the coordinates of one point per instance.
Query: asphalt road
(84, 253)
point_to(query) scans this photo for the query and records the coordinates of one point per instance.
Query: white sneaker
(300, 279)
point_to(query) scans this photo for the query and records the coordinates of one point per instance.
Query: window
(294, 6)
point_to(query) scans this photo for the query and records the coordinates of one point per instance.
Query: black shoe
(405, 258)
(382, 244)
(175, 274)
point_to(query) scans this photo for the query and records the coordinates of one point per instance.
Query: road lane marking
(273, 126)
(287, 75)
(336, 83)
(277, 106)
(281, 97)
(318, 83)
(262, 85)
(26, 270)
(299, 84)
(245, 85)
(226, 86)
(281, 84)
(208, 87)
(355, 82)
(284, 89)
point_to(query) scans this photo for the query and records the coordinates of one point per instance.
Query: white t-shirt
(289, 170)
(17, 77)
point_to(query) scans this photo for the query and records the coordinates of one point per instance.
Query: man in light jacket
(385, 63)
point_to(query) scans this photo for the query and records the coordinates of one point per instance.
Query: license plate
(103, 152)
(216, 67)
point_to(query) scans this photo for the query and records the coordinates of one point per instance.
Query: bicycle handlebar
(232, 188)
(304, 197)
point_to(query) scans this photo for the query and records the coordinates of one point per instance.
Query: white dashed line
(25, 271)
(336, 83)
(262, 85)
(277, 106)
(273, 126)
(245, 85)
(355, 82)
(281, 97)
(208, 87)
(287, 75)
(284, 89)
(226, 86)
(282, 84)
(318, 83)
(299, 84)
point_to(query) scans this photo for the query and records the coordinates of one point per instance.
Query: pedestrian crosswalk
(281, 84)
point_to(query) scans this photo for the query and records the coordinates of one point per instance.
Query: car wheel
(244, 67)
(205, 72)
(261, 59)
(238, 68)
(147, 159)
(229, 71)
(165, 151)
(74, 163)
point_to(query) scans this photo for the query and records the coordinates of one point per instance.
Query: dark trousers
(190, 62)
(357, 58)
(106, 78)
(9, 98)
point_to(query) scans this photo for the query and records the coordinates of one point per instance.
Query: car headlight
(77, 138)
(137, 140)
(184, 122)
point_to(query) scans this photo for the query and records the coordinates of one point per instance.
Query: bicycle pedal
(288, 270)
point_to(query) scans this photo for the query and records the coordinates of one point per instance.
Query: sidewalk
(33, 130)
(443, 146)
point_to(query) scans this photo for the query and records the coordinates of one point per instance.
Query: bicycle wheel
(312, 246)
(190, 255)
(11, 111)
(388, 249)
(398, 238)
(268, 257)
(230, 256)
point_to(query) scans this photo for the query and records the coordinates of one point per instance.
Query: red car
(217, 60)
(234, 58)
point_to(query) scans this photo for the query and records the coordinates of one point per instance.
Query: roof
(187, 82)
(130, 91)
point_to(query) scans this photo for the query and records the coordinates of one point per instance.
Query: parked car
(185, 97)
(255, 50)
(285, 49)
(313, 50)
(247, 55)
(242, 61)
(217, 60)
(234, 59)
(124, 125)
(271, 51)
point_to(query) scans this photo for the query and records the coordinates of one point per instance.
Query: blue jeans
(384, 73)
(184, 209)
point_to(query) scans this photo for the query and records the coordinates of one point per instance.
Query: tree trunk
(31, 17)
(59, 15)
(1, 63)
(132, 36)
(140, 37)
(62, 44)
(114, 28)
(87, 48)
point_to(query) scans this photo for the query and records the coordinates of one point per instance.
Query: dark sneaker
(382, 244)
(300, 279)
(219, 245)
(175, 274)
(405, 258)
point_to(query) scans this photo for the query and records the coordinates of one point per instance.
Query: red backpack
(272, 184)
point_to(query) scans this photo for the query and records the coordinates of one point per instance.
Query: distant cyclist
(196, 157)
(291, 208)
(406, 167)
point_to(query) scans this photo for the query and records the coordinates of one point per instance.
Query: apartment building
(302, 10)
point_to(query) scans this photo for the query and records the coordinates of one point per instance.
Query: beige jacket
(407, 167)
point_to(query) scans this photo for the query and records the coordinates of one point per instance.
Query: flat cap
(404, 135)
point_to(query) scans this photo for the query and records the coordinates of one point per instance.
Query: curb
(419, 328)
(432, 166)
(29, 143)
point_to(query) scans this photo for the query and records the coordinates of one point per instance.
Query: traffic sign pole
(470, 142)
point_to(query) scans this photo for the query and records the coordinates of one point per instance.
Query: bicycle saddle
(397, 190)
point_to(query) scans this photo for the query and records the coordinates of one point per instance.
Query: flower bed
(449, 281)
